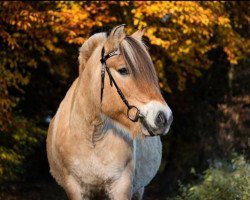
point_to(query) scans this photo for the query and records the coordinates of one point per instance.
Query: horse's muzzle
(163, 125)
(157, 119)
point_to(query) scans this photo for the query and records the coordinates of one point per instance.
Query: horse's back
(148, 159)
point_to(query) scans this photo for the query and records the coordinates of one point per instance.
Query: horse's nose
(157, 118)
(160, 120)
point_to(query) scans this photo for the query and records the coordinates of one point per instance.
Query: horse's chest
(100, 166)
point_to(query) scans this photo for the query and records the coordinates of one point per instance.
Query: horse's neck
(117, 129)
(87, 121)
(84, 115)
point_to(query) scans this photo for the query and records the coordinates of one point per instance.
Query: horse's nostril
(160, 120)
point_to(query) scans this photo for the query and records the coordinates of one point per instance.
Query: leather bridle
(130, 108)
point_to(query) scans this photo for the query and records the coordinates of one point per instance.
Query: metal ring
(137, 115)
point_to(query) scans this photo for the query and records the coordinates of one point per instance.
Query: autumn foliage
(180, 35)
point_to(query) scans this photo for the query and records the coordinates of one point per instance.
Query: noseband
(130, 108)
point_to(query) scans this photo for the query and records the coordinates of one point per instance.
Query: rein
(103, 60)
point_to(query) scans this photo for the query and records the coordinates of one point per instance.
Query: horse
(105, 136)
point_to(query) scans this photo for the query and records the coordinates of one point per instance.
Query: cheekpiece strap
(104, 66)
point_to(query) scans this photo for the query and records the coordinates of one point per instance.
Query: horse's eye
(123, 71)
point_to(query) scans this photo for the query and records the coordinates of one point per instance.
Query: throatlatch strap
(102, 81)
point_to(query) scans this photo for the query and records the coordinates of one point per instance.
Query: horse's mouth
(148, 130)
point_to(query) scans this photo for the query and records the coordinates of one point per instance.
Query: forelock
(138, 60)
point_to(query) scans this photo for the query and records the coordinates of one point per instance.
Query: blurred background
(201, 54)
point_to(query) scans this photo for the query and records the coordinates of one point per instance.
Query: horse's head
(140, 108)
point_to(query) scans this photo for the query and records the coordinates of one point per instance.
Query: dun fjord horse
(96, 141)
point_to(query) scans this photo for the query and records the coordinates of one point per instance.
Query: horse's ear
(138, 34)
(115, 37)
(118, 31)
(87, 49)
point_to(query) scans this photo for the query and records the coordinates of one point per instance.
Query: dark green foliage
(17, 145)
(223, 181)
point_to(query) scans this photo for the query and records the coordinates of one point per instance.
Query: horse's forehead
(116, 61)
